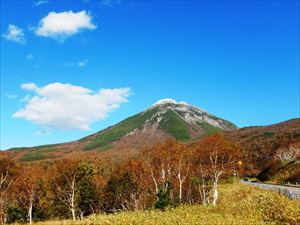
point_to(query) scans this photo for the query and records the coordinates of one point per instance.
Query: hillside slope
(260, 143)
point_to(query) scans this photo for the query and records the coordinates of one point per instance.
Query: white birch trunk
(30, 212)
(215, 192)
(72, 200)
(180, 191)
(181, 181)
(73, 214)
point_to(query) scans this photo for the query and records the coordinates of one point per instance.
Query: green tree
(164, 196)
(88, 199)
(72, 187)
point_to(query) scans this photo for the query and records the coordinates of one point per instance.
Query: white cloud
(59, 26)
(14, 33)
(26, 98)
(29, 87)
(40, 2)
(69, 107)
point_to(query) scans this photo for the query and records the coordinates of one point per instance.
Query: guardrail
(284, 190)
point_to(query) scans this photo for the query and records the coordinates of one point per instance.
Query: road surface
(289, 191)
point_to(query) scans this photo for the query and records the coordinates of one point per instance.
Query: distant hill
(260, 143)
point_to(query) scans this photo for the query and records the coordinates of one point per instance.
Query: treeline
(163, 175)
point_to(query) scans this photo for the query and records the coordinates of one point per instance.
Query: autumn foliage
(164, 175)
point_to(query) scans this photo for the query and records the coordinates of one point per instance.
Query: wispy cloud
(60, 26)
(69, 107)
(42, 132)
(11, 96)
(111, 3)
(40, 2)
(14, 33)
(29, 56)
(26, 98)
(29, 87)
(81, 63)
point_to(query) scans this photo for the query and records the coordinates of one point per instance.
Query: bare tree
(181, 164)
(291, 152)
(166, 162)
(217, 156)
(202, 178)
(158, 165)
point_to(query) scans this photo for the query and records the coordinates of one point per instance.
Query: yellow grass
(239, 204)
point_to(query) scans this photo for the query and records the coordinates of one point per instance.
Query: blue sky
(238, 60)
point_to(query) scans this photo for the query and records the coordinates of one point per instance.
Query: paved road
(289, 191)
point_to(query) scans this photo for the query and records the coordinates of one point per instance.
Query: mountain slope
(166, 118)
(177, 119)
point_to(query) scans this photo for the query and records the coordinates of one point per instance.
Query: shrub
(164, 197)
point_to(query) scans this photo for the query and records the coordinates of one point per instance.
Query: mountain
(187, 123)
(166, 118)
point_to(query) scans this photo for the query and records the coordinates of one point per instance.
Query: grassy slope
(209, 129)
(226, 122)
(37, 154)
(175, 126)
(116, 132)
(239, 204)
(172, 123)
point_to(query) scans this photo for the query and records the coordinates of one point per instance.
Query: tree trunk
(163, 177)
(207, 197)
(215, 195)
(155, 184)
(73, 214)
(30, 212)
(180, 185)
(2, 218)
(201, 193)
(72, 200)
(181, 180)
(180, 191)
(204, 193)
